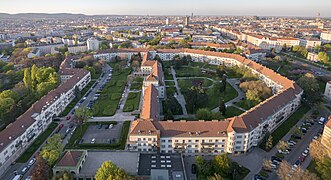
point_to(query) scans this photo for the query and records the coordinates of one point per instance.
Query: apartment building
(326, 37)
(92, 44)
(234, 135)
(312, 56)
(153, 75)
(19, 135)
(327, 92)
(326, 136)
(310, 42)
(77, 49)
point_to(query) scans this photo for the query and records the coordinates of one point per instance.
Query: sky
(171, 7)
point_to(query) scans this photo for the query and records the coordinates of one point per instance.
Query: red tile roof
(70, 158)
(150, 106)
(23, 122)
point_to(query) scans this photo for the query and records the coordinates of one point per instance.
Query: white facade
(327, 92)
(77, 49)
(326, 37)
(92, 44)
(41, 120)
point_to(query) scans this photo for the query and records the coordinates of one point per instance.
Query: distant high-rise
(92, 44)
(192, 16)
(186, 21)
(167, 21)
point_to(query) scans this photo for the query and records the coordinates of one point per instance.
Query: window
(197, 140)
(162, 140)
(169, 146)
(216, 140)
(176, 140)
(210, 140)
(196, 151)
(223, 140)
(149, 139)
(144, 139)
(189, 140)
(169, 140)
(239, 137)
(163, 146)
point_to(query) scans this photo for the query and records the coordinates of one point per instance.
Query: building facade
(19, 135)
(327, 92)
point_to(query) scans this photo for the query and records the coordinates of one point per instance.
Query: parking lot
(103, 134)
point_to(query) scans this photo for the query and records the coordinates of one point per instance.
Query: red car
(68, 117)
(60, 127)
(302, 158)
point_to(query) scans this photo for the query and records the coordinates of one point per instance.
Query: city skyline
(306, 8)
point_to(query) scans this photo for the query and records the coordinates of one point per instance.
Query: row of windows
(197, 140)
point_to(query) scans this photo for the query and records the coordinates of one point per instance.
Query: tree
(267, 164)
(65, 176)
(52, 149)
(9, 94)
(321, 156)
(44, 88)
(215, 177)
(34, 70)
(222, 164)
(269, 143)
(82, 114)
(203, 113)
(109, 170)
(285, 172)
(282, 145)
(41, 169)
(27, 78)
(324, 167)
(324, 57)
(222, 108)
(256, 91)
(309, 84)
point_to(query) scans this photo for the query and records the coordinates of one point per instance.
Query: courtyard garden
(109, 99)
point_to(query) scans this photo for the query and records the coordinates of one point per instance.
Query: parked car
(25, 169)
(276, 158)
(194, 168)
(302, 158)
(305, 153)
(93, 141)
(321, 121)
(296, 164)
(296, 136)
(32, 161)
(110, 126)
(68, 117)
(284, 152)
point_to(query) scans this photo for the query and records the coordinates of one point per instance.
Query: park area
(111, 95)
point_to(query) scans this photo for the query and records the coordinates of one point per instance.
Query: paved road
(179, 96)
(316, 67)
(253, 160)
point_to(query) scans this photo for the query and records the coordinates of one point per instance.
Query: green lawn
(132, 102)
(137, 83)
(283, 129)
(170, 83)
(37, 143)
(75, 101)
(79, 133)
(232, 111)
(187, 83)
(110, 96)
(245, 104)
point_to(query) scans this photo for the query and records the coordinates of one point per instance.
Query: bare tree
(267, 164)
(282, 145)
(283, 170)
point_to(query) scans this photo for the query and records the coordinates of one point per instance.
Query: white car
(305, 153)
(284, 152)
(24, 170)
(32, 161)
(111, 126)
(93, 141)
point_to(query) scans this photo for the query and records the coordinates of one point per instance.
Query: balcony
(207, 143)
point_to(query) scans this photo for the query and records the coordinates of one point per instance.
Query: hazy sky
(172, 7)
